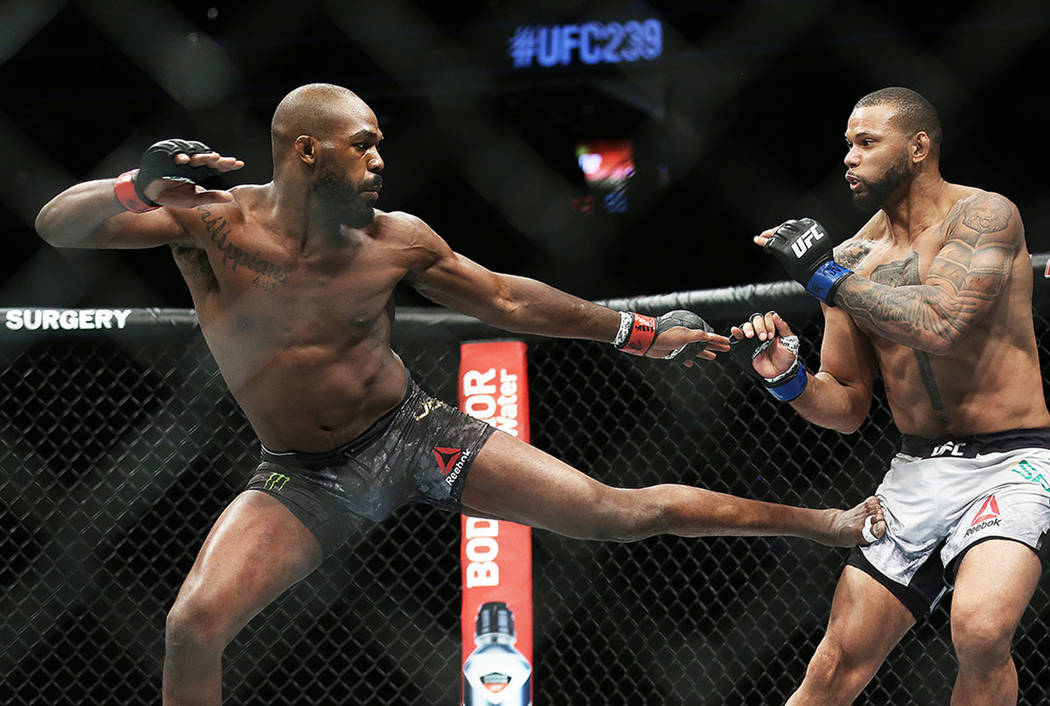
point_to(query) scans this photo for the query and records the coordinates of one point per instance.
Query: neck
(916, 208)
(305, 221)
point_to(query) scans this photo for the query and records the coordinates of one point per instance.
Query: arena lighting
(586, 43)
(607, 166)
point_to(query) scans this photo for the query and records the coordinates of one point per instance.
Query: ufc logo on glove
(805, 252)
(802, 245)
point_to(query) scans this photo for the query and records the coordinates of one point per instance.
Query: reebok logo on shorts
(987, 516)
(450, 461)
(446, 458)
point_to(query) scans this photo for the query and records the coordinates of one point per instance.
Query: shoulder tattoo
(987, 214)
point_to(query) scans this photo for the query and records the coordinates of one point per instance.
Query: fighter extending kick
(293, 285)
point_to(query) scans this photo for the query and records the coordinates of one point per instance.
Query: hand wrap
(804, 248)
(636, 334)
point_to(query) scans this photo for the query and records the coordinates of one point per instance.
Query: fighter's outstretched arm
(107, 213)
(525, 305)
(983, 233)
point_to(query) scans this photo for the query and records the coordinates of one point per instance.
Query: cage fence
(118, 450)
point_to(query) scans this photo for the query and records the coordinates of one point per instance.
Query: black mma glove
(638, 331)
(158, 162)
(785, 387)
(685, 319)
(804, 248)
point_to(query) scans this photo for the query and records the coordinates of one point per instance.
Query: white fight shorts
(943, 496)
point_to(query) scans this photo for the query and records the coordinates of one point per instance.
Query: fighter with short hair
(934, 293)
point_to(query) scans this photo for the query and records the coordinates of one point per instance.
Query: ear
(306, 149)
(920, 147)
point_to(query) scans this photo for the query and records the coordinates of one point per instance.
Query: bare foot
(846, 527)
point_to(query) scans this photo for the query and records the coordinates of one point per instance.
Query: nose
(375, 162)
(852, 158)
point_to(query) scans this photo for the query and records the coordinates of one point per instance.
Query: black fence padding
(120, 448)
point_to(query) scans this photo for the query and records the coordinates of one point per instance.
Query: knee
(981, 638)
(195, 625)
(826, 667)
(835, 676)
(625, 515)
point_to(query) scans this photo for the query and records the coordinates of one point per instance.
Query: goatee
(344, 202)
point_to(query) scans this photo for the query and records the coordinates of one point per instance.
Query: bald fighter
(293, 285)
(934, 292)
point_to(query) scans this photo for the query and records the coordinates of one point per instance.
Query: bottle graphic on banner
(496, 672)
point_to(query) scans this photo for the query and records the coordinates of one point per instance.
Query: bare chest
(890, 264)
(246, 278)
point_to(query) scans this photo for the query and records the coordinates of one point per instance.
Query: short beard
(343, 202)
(876, 192)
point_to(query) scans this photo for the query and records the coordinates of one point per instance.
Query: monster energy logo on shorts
(276, 481)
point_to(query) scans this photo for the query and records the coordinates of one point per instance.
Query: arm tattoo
(985, 217)
(852, 252)
(965, 278)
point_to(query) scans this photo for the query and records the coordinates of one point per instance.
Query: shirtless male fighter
(935, 292)
(293, 285)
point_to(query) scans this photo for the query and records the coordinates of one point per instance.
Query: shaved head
(326, 149)
(316, 109)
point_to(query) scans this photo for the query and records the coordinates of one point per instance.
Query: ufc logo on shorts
(949, 447)
(805, 241)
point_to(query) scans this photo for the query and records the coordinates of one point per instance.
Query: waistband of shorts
(975, 445)
(335, 457)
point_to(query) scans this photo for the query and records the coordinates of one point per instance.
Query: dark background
(737, 126)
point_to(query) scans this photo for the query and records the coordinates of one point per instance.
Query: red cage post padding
(496, 556)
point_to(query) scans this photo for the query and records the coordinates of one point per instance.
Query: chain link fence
(119, 450)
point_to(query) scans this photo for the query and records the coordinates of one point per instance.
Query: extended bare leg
(515, 481)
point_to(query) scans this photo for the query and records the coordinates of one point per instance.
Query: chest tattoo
(269, 274)
(900, 273)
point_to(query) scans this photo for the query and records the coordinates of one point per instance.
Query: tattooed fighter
(293, 285)
(935, 291)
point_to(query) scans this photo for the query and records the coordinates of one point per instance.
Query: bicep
(449, 278)
(458, 282)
